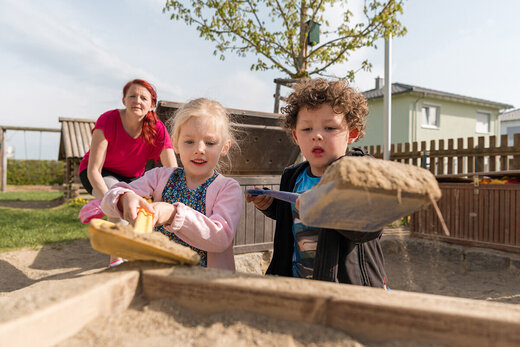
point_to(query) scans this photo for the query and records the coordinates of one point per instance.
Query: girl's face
(200, 146)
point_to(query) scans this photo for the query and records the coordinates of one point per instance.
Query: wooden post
(433, 158)
(277, 98)
(504, 165)
(450, 156)
(479, 161)
(471, 157)
(440, 162)
(516, 157)
(460, 158)
(492, 157)
(3, 159)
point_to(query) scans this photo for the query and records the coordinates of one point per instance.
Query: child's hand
(297, 204)
(163, 213)
(129, 203)
(261, 201)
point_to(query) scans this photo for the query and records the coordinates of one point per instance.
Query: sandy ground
(412, 265)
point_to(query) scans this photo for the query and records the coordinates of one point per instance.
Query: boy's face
(323, 136)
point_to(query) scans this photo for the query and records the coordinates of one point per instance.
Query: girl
(194, 205)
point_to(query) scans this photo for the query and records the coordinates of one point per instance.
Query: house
(421, 114)
(510, 124)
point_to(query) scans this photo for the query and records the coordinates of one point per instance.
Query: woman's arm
(168, 158)
(98, 151)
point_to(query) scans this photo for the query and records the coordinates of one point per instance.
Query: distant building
(510, 124)
(421, 114)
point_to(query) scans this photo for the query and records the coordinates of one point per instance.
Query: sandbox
(143, 303)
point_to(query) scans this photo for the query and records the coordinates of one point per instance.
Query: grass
(36, 227)
(30, 196)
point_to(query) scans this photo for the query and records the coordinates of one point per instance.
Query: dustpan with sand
(363, 194)
(123, 241)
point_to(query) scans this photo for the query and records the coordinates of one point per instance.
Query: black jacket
(342, 256)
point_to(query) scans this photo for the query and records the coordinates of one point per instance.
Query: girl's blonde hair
(202, 107)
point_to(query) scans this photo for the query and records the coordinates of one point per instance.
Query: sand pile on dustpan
(371, 173)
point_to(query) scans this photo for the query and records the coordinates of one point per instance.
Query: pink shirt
(212, 232)
(127, 156)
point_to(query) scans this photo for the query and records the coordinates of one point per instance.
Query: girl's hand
(262, 202)
(129, 203)
(163, 213)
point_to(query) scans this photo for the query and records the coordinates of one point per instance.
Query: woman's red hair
(149, 131)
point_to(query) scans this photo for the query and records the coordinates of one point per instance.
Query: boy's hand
(129, 204)
(163, 213)
(297, 204)
(262, 202)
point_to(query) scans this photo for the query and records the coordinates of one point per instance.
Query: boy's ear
(352, 135)
(294, 136)
(225, 148)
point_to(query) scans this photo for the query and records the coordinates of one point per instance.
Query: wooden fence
(476, 215)
(459, 156)
(485, 216)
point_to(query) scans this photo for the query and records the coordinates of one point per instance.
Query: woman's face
(138, 101)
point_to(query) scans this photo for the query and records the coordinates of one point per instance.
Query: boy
(323, 118)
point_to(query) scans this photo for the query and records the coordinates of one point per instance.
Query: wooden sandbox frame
(52, 311)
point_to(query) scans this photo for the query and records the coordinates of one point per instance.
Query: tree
(277, 31)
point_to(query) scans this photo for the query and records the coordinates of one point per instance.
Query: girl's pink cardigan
(212, 232)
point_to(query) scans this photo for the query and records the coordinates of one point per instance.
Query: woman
(123, 140)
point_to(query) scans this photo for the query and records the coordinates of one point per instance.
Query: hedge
(35, 172)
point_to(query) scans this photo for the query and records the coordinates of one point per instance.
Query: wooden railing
(459, 156)
(476, 215)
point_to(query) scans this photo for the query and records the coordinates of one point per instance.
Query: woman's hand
(129, 204)
(262, 202)
(163, 213)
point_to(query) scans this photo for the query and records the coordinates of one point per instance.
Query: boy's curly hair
(312, 93)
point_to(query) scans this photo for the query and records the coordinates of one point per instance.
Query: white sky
(71, 58)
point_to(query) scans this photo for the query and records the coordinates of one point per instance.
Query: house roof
(76, 134)
(401, 88)
(511, 115)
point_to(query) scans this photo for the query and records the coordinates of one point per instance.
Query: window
(430, 116)
(511, 131)
(482, 123)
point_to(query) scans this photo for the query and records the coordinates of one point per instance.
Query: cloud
(53, 40)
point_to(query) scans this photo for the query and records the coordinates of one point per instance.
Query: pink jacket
(212, 232)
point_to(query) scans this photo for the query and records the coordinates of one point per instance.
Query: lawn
(35, 227)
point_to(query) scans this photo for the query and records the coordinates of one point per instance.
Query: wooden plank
(505, 199)
(450, 158)
(471, 158)
(368, 314)
(516, 157)
(424, 164)
(433, 158)
(503, 158)
(257, 247)
(516, 240)
(460, 158)
(492, 158)
(415, 153)
(479, 162)
(441, 160)
(51, 311)
(240, 234)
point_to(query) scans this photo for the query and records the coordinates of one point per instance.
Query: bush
(35, 172)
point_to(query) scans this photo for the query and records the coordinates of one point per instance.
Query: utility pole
(388, 98)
